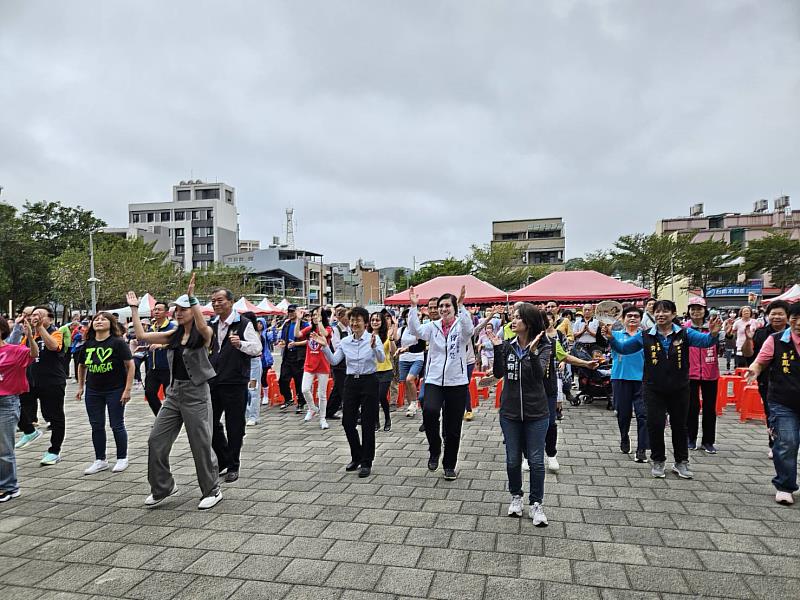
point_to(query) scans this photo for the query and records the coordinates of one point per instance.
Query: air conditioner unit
(696, 210)
(760, 206)
(782, 202)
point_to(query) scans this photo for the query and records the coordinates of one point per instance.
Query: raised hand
(462, 294)
(535, 343)
(190, 287)
(132, 299)
(412, 296)
(316, 337)
(299, 314)
(715, 325)
(372, 342)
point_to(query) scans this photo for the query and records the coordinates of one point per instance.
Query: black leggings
(384, 383)
(708, 389)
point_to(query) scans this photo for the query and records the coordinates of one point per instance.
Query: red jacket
(703, 363)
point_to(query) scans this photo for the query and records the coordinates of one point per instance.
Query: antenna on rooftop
(290, 228)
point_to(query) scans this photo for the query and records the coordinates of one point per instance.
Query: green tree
(706, 262)
(24, 267)
(236, 279)
(649, 257)
(58, 227)
(448, 266)
(778, 254)
(602, 261)
(496, 264)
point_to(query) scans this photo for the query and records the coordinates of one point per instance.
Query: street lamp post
(92, 279)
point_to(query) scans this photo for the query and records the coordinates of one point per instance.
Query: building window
(534, 235)
(737, 236)
(716, 222)
(510, 236)
(134, 217)
(179, 248)
(209, 248)
(179, 232)
(151, 217)
(545, 258)
(210, 231)
(179, 215)
(165, 216)
(184, 195)
(196, 231)
(195, 215)
(212, 194)
(197, 248)
(209, 214)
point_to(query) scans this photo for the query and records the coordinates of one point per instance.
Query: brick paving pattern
(296, 525)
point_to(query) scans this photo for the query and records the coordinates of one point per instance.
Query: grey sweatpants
(189, 404)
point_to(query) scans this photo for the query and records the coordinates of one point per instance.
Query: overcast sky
(400, 129)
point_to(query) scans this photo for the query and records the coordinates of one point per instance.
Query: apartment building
(539, 241)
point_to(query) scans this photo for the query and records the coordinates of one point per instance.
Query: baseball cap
(697, 301)
(182, 301)
(291, 307)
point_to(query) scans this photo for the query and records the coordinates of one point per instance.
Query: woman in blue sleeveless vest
(666, 380)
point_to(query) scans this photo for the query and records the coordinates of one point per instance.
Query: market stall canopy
(271, 309)
(478, 292)
(146, 304)
(790, 295)
(578, 286)
(283, 305)
(243, 305)
(208, 310)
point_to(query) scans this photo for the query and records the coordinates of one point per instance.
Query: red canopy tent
(478, 292)
(791, 295)
(578, 286)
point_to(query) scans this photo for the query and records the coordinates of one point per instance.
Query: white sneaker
(515, 508)
(784, 498)
(525, 465)
(210, 501)
(309, 415)
(537, 515)
(265, 402)
(251, 422)
(151, 501)
(96, 467)
(551, 463)
(323, 424)
(412, 410)
(769, 454)
(122, 464)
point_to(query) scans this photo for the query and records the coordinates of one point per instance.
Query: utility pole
(92, 279)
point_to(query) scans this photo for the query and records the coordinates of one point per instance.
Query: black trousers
(335, 399)
(52, 400)
(360, 393)
(291, 369)
(384, 383)
(155, 379)
(232, 400)
(449, 401)
(708, 389)
(660, 403)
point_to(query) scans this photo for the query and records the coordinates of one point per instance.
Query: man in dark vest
(666, 380)
(234, 343)
(158, 373)
(293, 358)
(780, 358)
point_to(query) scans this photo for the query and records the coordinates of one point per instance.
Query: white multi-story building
(201, 221)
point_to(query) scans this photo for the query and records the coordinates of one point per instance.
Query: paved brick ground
(297, 526)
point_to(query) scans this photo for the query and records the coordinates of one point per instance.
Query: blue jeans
(551, 439)
(785, 425)
(627, 399)
(9, 415)
(97, 402)
(528, 436)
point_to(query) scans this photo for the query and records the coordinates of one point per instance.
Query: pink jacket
(703, 363)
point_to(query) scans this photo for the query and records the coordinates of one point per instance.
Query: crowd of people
(209, 376)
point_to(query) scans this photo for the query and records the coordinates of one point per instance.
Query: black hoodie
(523, 397)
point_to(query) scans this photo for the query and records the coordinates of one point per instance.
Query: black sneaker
(625, 445)
(422, 426)
(692, 445)
(450, 474)
(231, 476)
(388, 426)
(641, 456)
(365, 471)
(298, 410)
(285, 405)
(709, 448)
(6, 496)
(433, 463)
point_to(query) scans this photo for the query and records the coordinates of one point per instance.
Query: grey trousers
(189, 404)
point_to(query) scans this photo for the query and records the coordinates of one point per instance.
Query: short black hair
(779, 304)
(630, 309)
(794, 309)
(668, 305)
(157, 302)
(360, 311)
(5, 328)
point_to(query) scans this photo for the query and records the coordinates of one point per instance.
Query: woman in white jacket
(446, 380)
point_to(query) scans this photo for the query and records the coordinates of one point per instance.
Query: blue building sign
(754, 286)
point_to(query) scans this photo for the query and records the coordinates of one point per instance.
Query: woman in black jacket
(524, 410)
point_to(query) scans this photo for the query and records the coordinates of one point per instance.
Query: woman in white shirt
(411, 353)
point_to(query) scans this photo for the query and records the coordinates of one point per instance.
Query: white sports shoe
(412, 410)
(210, 501)
(96, 467)
(151, 501)
(784, 498)
(537, 515)
(251, 422)
(309, 415)
(122, 464)
(525, 465)
(551, 463)
(323, 424)
(515, 508)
